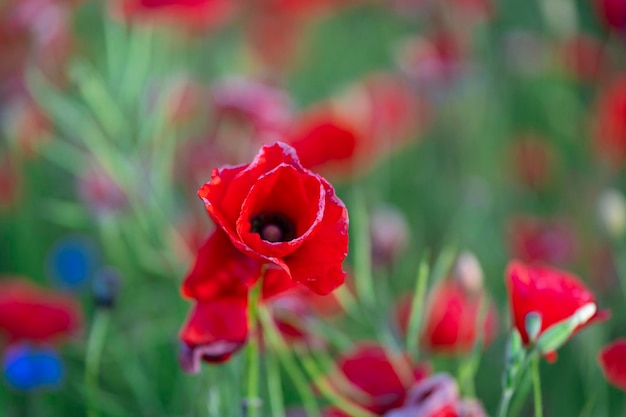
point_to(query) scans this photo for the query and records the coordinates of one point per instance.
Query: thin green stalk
(289, 363)
(253, 401)
(537, 386)
(330, 392)
(417, 306)
(505, 402)
(363, 276)
(274, 386)
(92, 359)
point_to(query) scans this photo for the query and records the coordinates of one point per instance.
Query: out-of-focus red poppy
(437, 396)
(612, 359)
(265, 111)
(541, 240)
(583, 57)
(533, 160)
(451, 323)
(194, 15)
(325, 140)
(556, 295)
(37, 31)
(612, 13)
(375, 378)
(30, 313)
(349, 133)
(609, 131)
(386, 110)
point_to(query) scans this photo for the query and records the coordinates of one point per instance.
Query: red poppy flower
(275, 211)
(375, 378)
(554, 294)
(29, 313)
(610, 122)
(583, 56)
(539, 240)
(189, 14)
(612, 360)
(271, 211)
(451, 319)
(612, 13)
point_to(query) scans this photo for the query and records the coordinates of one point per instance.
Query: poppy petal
(31, 313)
(220, 269)
(612, 360)
(554, 294)
(296, 197)
(214, 331)
(318, 262)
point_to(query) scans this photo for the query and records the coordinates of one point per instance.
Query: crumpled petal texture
(310, 229)
(276, 182)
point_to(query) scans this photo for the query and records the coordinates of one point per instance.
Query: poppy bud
(389, 233)
(468, 273)
(106, 286)
(612, 212)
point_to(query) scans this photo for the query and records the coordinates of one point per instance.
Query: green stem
(274, 386)
(505, 402)
(289, 363)
(252, 404)
(92, 359)
(330, 392)
(537, 386)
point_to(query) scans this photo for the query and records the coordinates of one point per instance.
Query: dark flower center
(273, 227)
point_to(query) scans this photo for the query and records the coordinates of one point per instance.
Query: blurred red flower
(612, 360)
(612, 13)
(272, 211)
(324, 139)
(541, 240)
(437, 396)
(583, 56)
(610, 122)
(346, 135)
(197, 15)
(451, 319)
(375, 378)
(30, 313)
(554, 294)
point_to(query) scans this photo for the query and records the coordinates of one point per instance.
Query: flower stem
(283, 353)
(505, 402)
(92, 359)
(274, 386)
(537, 386)
(252, 404)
